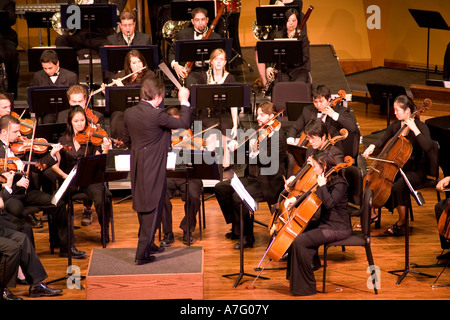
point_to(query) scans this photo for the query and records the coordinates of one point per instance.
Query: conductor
(148, 134)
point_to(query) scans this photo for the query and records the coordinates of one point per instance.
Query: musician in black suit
(128, 35)
(334, 118)
(263, 178)
(148, 134)
(196, 32)
(8, 46)
(52, 74)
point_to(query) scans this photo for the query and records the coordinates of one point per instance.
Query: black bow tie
(197, 33)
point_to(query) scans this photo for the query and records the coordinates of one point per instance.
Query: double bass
(299, 216)
(397, 151)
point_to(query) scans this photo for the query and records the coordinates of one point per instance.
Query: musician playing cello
(263, 177)
(418, 135)
(331, 223)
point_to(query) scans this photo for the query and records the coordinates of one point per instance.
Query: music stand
(92, 16)
(430, 20)
(121, 98)
(384, 95)
(273, 15)
(50, 131)
(88, 170)
(113, 57)
(47, 99)
(299, 154)
(36, 19)
(280, 51)
(196, 169)
(294, 109)
(67, 58)
(200, 50)
(251, 205)
(180, 10)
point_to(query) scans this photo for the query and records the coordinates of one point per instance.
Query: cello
(381, 174)
(299, 216)
(303, 180)
(444, 223)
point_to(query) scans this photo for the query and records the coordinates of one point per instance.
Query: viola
(40, 145)
(95, 136)
(26, 125)
(304, 180)
(382, 172)
(298, 216)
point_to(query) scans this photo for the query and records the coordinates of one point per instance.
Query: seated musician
(439, 209)
(67, 159)
(52, 74)
(317, 135)
(26, 191)
(226, 117)
(134, 61)
(178, 185)
(332, 224)
(196, 32)
(263, 177)
(128, 35)
(418, 134)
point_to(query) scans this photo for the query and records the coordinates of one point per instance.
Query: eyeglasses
(309, 138)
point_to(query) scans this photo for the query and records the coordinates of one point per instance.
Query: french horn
(171, 28)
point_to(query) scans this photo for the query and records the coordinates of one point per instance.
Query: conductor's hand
(180, 71)
(183, 94)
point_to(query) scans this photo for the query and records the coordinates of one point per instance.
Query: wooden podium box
(177, 273)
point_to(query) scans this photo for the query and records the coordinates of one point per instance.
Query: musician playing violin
(67, 159)
(263, 176)
(335, 118)
(330, 223)
(418, 134)
(26, 191)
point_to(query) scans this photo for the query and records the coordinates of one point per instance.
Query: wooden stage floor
(346, 273)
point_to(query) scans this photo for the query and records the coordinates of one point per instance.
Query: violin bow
(31, 151)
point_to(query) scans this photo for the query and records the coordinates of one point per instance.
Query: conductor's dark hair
(151, 88)
(49, 56)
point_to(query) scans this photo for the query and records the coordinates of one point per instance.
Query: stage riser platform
(177, 273)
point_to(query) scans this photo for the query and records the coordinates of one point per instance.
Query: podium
(430, 20)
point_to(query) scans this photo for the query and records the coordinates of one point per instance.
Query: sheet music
(243, 193)
(64, 186)
(122, 162)
(171, 160)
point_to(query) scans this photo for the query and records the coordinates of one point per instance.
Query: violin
(40, 145)
(26, 125)
(382, 172)
(10, 165)
(95, 136)
(90, 116)
(298, 216)
(186, 139)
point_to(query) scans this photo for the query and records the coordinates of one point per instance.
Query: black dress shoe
(33, 221)
(23, 282)
(185, 238)
(247, 244)
(41, 290)
(146, 260)
(8, 295)
(232, 236)
(76, 254)
(168, 240)
(156, 249)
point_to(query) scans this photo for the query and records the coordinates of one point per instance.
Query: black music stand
(50, 131)
(36, 19)
(46, 100)
(194, 168)
(420, 201)
(294, 109)
(67, 58)
(87, 171)
(200, 50)
(113, 57)
(430, 20)
(246, 200)
(384, 95)
(299, 154)
(180, 10)
(273, 15)
(280, 51)
(121, 98)
(92, 16)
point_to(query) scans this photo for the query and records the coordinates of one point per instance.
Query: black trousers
(16, 249)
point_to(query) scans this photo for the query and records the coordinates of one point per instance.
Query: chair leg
(371, 263)
(203, 211)
(113, 236)
(324, 268)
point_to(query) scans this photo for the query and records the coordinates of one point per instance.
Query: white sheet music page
(243, 193)
(122, 162)
(64, 186)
